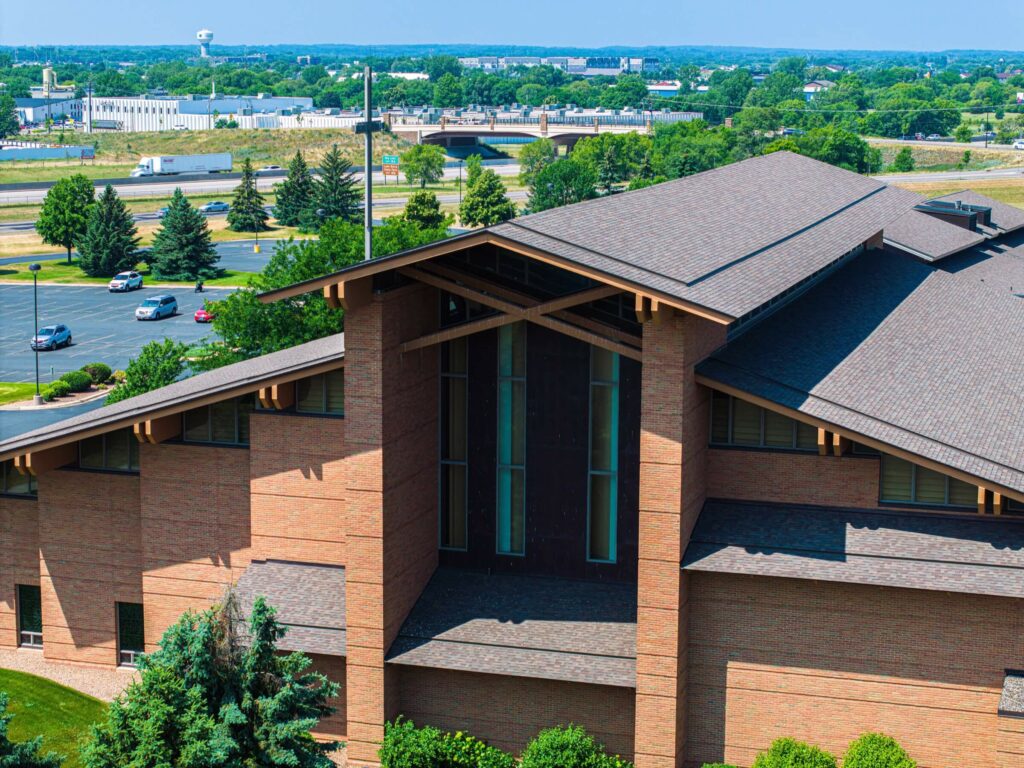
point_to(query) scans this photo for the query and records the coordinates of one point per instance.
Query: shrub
(790, 753)
(98, 372)
(406, 746)
(58, 388)
(717, 765)
(876, 750)
(118, 376)
(570, 747)
(78, 381)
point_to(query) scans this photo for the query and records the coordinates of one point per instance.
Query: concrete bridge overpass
(562, 130)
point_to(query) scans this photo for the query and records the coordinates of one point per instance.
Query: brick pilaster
(673, 442)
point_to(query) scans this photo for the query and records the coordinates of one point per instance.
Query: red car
(203, 316)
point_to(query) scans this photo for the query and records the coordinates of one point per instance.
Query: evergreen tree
(22, 754)
(294, 194)
(217, 694)
(110, 244)
(424, 209)
(335, 193)
(182, 249)
(247, 213)
(486, 202)
(64, 215)
(8, 117)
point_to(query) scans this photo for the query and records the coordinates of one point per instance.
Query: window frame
(127, 657)
(210, 441)
(322, 411)
(613, 472)
(28, 638)
(913, 502)
(134, 458)
(522, 325)
(6, 470)
(761, 445)
(443, 463)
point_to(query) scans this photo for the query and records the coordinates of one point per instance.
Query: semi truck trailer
(171, 165)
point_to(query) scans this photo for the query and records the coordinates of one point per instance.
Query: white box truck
(170, 165)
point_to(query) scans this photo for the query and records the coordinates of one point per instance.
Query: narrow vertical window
(454, 443)
(512, 439)
(130, 633)
(30, 616)
(602, 516)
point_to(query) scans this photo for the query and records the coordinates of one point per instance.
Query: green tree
(295, 194)
(486, 202)
(182, 248)
(790, 753)
(110, 243)
(8, 117)
(474, 167)
(249, 328)
(22, 754)
(876, 750)
(159, 363)
(963, 133)
(448, 91)
(64, 215)
(904, 160)
(217, 694)
(562, 183)
(439, 66)
(533, 158)
(247, 212)
(423, 164)
(424, 209)
(336, 194)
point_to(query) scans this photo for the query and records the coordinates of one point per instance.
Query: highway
(927, 177)
(217, 183)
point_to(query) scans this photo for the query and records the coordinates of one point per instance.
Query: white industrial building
(151, 113)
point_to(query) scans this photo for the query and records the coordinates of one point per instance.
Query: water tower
(204, 36)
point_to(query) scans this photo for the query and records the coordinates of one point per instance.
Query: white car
(1018, 144)
(270, 169)
(156, 307)
(125, 281)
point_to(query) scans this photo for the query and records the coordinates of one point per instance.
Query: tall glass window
(454, 443)
(30, 616)
(602, 516)
(130, 633)
(512, 439)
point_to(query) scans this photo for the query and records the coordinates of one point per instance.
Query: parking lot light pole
(34, 269)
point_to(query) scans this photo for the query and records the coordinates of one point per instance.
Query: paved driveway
(102, 324)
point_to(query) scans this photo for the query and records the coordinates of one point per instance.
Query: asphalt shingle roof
(979, 555)
(229, 377)
(929, 237)
(524, 626)
(923, 358)
(309, 599)
(728, 239)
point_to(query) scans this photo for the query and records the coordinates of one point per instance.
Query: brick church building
(729, 458)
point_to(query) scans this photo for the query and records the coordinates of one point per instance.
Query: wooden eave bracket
(36, 462)
(278, 396)
(158, 430)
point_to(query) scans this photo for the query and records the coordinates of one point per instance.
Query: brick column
(673, 449)
(391, 496)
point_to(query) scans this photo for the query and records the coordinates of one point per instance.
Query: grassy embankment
(14, 391)
(947, 158)
(60, 715)
(1010, 191)
(117, 153)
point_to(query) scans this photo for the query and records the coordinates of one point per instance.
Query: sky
(862, 24)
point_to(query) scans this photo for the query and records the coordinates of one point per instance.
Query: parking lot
(102, 324)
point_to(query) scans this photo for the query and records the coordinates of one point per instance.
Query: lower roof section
(523, 626)
(309, 599)
(982, 555)
(1011, 701)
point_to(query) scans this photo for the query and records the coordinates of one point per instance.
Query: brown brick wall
(673, 457)
(335, 726)
(298, 488)
(826, 662)
(797, 478)
(1010, 742)
(19, 559)
(89, 558)
(195, 528)
(391, 494)
(509, 711)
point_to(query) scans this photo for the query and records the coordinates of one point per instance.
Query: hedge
(790, 753)
(876, 750)
(58, 388)
(98, 372)
(78, 381)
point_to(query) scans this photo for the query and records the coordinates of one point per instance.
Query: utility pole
(34, 269)
(368, 162)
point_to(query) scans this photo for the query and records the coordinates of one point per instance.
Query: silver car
(125, 281)
(156, 307)
(214, 207)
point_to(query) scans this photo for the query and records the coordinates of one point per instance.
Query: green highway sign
(389, 160)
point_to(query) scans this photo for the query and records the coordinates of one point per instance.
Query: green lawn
(60, 715)
(64, 273)
(12, 391)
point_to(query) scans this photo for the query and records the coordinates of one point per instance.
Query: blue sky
(862, 24)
